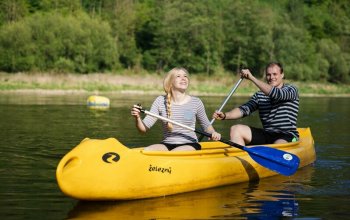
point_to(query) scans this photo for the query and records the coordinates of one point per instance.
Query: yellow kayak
(108, 170)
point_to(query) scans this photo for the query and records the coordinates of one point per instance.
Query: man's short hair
(274, 64)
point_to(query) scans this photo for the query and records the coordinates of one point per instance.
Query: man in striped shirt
(278, 106)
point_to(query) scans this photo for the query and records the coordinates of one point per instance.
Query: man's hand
(245, 73)
(219, 115)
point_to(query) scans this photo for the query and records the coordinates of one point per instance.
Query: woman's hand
(215, 136)
(135, 111)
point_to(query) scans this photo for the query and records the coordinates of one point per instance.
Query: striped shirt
(278, 110)
(185, 114)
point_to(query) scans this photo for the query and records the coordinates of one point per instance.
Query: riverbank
(144, 83)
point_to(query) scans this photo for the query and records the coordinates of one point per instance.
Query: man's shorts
(260, 136)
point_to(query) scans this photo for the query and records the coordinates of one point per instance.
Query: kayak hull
(108, 170)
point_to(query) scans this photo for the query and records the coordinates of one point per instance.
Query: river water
(37, 130)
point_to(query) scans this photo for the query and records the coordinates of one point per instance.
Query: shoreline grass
(146, 83)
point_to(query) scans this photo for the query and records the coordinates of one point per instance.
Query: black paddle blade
(276, 160)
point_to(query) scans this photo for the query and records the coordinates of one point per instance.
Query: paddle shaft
(227, 98)
(222, 105)
(190, 128)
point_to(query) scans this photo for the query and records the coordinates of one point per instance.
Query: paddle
(224, 103)
(227, 98)
(274, 159)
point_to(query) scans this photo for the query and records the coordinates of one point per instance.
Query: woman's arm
(135, 111)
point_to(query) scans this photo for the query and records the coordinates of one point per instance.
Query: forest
(311, 38)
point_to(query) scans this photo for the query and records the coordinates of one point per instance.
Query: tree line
(310, 37)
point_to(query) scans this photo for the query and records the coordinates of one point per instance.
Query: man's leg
(240, 134)
(280, 141)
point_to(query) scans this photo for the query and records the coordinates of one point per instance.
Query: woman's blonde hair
(167, 86)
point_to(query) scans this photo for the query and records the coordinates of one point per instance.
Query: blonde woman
(176, 105)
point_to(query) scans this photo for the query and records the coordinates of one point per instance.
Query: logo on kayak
(287, 157)
(110, 157)
(159, 169)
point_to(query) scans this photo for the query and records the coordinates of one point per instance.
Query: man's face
(274, 77)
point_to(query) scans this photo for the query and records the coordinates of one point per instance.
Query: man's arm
(264, 87)
(233, 114)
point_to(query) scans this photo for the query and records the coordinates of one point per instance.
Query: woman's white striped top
(185, 114)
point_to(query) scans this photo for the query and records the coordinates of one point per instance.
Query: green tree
(12, 10)
(338, 68)
(57, 42)
(63, 6)
(311, 38)
(183, 33)
(248, 35)
(121, 15)
(295, 49)
(16, 48)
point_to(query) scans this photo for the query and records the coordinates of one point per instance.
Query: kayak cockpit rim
(212, 147)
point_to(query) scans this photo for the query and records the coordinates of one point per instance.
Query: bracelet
(224, 116)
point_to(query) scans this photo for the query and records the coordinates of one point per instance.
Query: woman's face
(180, 81)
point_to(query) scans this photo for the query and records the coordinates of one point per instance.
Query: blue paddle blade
(276, 160)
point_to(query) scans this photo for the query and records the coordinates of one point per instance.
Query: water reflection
(277, 204)
(268, 198)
